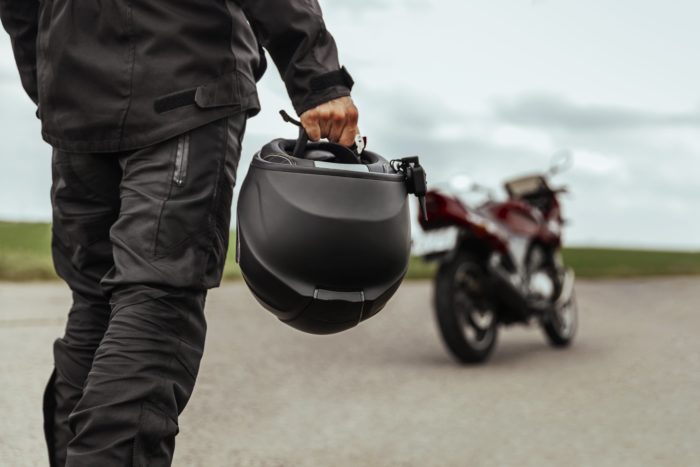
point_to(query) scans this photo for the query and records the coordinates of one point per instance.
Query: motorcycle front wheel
(467, 322)
(560, 326)
(560, 323)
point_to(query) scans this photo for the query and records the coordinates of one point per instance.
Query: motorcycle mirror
(562, 161)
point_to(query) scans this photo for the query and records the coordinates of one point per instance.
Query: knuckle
(338, 117)
(309, 116)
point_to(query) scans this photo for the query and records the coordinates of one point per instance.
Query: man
(145, 104)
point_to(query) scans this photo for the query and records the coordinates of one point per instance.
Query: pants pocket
(194, 159)
(154, 443)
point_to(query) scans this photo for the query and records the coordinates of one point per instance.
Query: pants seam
(211, 216)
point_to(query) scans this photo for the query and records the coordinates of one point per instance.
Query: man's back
(102, 66)
(117, 75)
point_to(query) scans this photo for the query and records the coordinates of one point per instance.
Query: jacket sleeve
(294, 34)
(20, 19)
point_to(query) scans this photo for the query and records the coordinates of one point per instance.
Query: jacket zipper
(181, 159)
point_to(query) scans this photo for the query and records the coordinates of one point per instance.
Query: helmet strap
(302, 139)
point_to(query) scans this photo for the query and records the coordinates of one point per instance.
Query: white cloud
(531, 139)
(598, 164)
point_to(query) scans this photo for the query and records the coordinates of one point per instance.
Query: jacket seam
(41, 54)
(130, 70)
(227, 6)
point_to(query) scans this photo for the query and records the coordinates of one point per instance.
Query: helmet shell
(322, 248)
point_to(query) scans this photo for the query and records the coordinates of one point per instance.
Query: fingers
(335, 120)
(347, 135)
(312, 124)
(347, 138)
(347, 127)
(337, 124)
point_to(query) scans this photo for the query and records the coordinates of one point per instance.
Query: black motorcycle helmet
(323, 233)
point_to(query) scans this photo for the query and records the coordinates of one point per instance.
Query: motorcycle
(500, 263)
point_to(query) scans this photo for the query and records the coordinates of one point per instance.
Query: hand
(335, 120)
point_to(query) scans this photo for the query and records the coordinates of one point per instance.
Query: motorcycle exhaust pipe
(508, 287)
(512, 294)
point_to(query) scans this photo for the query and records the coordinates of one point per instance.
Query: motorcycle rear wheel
(467, 324)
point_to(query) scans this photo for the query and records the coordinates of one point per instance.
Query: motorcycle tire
(468, 331)
(560, 328)
(559, 325)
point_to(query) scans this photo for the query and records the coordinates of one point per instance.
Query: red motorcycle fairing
(493, 222)
(443, 210)
(517, 216)
(521, 219)
(447, 211)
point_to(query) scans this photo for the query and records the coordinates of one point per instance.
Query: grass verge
(25, 254)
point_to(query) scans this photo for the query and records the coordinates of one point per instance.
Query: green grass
(25, 254)
(231, 270)
(607, 262)
(25, 251)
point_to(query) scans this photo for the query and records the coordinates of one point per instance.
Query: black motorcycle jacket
(113, 75)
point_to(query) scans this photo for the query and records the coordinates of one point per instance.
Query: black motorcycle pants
(139, 237)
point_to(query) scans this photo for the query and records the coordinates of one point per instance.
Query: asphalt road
(387, 394)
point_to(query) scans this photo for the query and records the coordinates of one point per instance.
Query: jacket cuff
(321, 97)
(324, 88)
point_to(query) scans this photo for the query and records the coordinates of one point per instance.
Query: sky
(490, 89)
